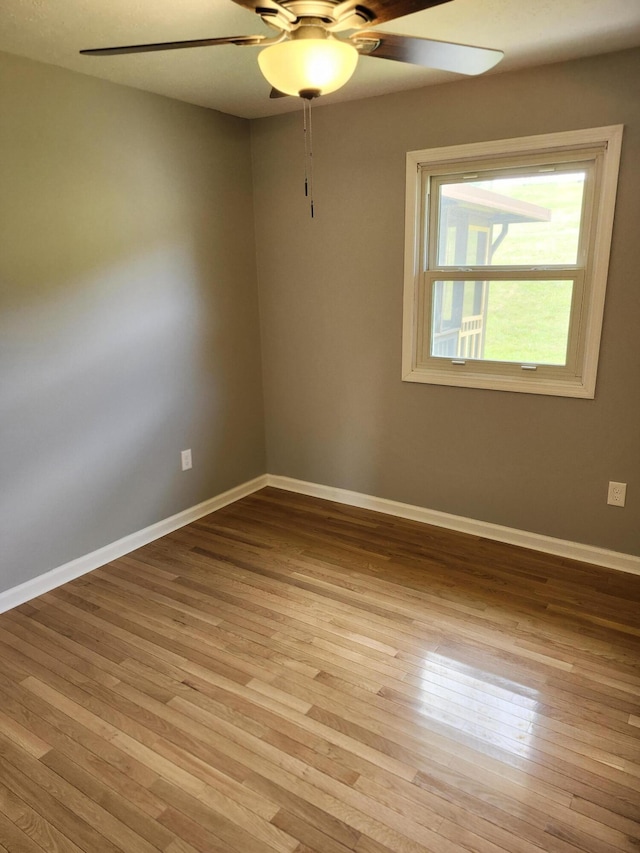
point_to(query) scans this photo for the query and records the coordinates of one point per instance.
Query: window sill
(527, 384)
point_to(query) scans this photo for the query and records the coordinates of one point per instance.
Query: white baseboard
(69, 571)
(512, 536)
(547, 544)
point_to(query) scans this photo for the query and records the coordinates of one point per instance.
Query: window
(507, 250)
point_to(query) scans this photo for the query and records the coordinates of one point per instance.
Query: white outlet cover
(617, 494)
(185, 458)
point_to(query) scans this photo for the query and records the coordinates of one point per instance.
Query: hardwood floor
(294, 675)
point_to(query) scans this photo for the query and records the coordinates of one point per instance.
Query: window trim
(580, 380)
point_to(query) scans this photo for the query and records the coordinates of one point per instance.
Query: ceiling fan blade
(173, 45)
(275, 93)
(389, 10)
(272, 8)
(378, 11)
(254, 5)
(443, 55)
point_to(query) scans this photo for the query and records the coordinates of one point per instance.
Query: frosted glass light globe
(321, 65)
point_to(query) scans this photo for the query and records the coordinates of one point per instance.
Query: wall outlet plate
(617, 494)
(185, 459)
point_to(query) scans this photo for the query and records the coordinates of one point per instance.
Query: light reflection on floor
(481, 705)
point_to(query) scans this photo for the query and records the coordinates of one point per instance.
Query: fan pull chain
(308, 151)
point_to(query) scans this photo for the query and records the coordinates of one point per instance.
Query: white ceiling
(530, 32)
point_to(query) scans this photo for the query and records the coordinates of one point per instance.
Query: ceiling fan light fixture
(308, 64)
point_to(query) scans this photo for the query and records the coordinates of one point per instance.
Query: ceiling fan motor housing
(334, 17)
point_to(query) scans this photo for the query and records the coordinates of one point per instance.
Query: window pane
(526, 322)
(531, 220)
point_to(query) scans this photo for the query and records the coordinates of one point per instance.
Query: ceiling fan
(304, 58)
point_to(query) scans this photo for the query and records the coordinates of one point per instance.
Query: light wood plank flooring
(293, 675)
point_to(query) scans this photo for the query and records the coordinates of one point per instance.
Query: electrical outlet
(617, 494)
(185, 458)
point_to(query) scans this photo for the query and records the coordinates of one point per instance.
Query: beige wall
(331, 308)
(128, 313)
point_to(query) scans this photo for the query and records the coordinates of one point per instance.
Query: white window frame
(578, 377)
